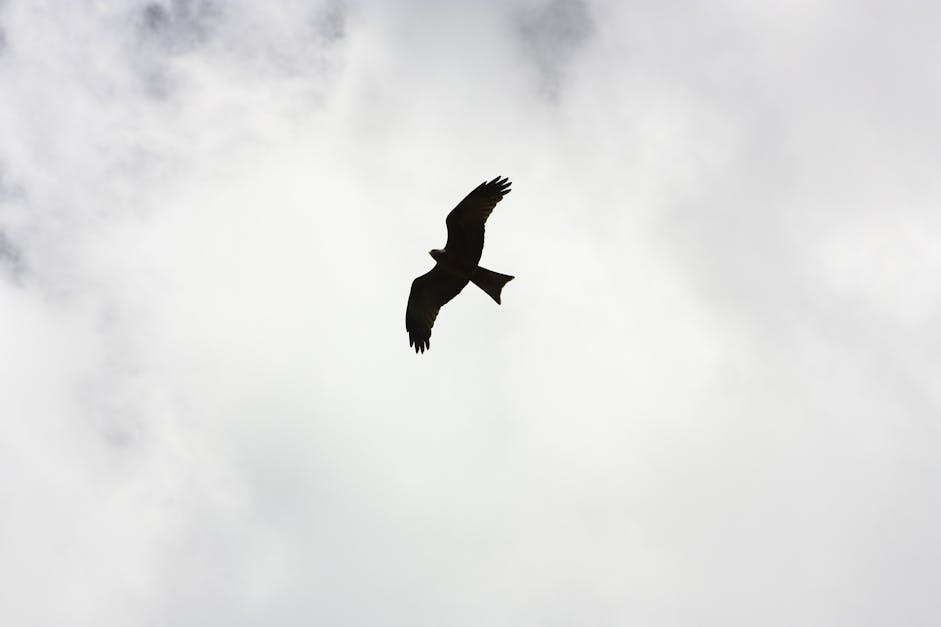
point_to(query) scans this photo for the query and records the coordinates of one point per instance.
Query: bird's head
(436, 253)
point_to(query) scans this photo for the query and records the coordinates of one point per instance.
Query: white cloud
(709, 398)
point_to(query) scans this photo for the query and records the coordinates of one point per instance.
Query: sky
(711, 396)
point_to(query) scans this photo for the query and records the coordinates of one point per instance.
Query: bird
(457, 263)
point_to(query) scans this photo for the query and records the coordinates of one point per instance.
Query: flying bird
(456, 263)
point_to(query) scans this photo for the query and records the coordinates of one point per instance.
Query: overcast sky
(711, 396)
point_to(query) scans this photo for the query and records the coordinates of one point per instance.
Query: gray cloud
(182, 24)
(10, 257)
(293, 42)
(552, 33)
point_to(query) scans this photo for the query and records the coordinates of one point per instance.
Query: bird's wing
(429, 292)
(466, 221)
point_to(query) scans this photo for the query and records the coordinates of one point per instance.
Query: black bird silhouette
(456, 263)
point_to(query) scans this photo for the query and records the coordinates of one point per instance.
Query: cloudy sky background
(711, 396)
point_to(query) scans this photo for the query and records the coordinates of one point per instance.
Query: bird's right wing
(429, 292)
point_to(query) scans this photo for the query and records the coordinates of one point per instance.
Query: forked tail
(491, 282)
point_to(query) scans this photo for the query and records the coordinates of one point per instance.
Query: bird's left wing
(429, 292)
(466, 221)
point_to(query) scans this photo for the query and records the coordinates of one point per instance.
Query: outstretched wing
(466, 221)
(429, 292)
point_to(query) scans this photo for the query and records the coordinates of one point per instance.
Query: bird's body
(456, 264)
(452, 264)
